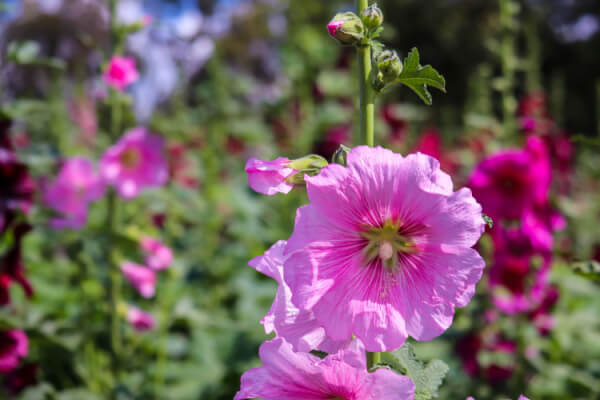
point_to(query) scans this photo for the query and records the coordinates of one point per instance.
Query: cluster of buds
(353, 30)
(350, 29)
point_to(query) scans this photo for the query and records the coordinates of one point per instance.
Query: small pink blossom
(158, 256)
(135, 162)
(297, 327)
(142, 278)
(269, 177)
(380, 200)
(13, 346)
(76, 185)
(286, 375)
(140, 320)
(121, 72)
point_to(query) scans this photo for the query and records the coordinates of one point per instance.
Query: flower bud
(346, 28)
(389, 65)
(310, 165)
(372, 16)
(341, 155)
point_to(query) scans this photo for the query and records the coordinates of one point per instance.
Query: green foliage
(427, 377)
(588, 269)
(418, 77)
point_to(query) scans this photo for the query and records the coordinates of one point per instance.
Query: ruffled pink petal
(269, 177)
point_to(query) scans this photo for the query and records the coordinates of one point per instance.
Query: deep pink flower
(140, 320)
(430, 143)
(383, 250)
(333, 138)
(297, 327)
(13, 346)
(158, 256)
(135, 162)
(516, 284)
(541, 317)
(301, 376)
(540, 223)
(517, 177)
(20, 378)
(76, 185)
(121, 72)
(143, 279)
(468, 347)
(269, 177)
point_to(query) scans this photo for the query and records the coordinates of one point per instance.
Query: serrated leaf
(418, 77)
(588, 269)
(427, 378)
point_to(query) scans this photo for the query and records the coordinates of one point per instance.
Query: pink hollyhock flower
(121, 72)
(76, 185)
(13, 346)
(391, 229)
(269, 177)
(517, 286)
(517, 177)
(142, 278)
(430, 143)
(158, 256)
(135, 162)
(297, 327)
(539, 223)
(287, 375)
(140, 320)
(541, 317)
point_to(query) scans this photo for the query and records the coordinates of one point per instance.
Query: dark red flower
(21, 378)
(333, 138)
(470, 346)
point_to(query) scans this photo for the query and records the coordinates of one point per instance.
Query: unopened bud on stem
(389, 64)
(347, 28)
(372, 16)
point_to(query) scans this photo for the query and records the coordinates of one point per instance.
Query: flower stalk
(367, 95)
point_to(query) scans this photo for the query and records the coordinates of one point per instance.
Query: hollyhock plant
(143, 279)
(12, 268)
(121, 72)
(269, 177)
(158, 256)
(20, 378)
(297, 327)
(13, 346)
(287, 375)
(521, 397)
(471, 345)
(76, 185)
(140, 320)
(135, 162)
(392, 229)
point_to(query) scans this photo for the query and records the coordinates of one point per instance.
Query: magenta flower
(140, 320)
(158, 256)
(301, 376)
(135, 162)
(517, 177)
(143, 279)
(383, 250)
(297, 327)
(517, 286)
(121, 72)
(269, 177)
(76, 185)
(13, 346)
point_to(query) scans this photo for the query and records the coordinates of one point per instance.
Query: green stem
(367, 95)
(373, 359)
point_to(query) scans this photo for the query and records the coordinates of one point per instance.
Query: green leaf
(588, 269)
(427, 378)
(418, 77)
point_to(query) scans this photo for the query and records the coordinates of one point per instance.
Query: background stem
(367, 96)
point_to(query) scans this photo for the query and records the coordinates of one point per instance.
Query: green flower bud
(310, 165)
(372, 16)
(341, 155)
(389, 65)
(346, 28)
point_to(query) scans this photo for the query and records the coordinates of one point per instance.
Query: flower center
(387, 242)
(130, 158)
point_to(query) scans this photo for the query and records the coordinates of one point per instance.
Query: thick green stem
(367, 95)
(373, 359)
